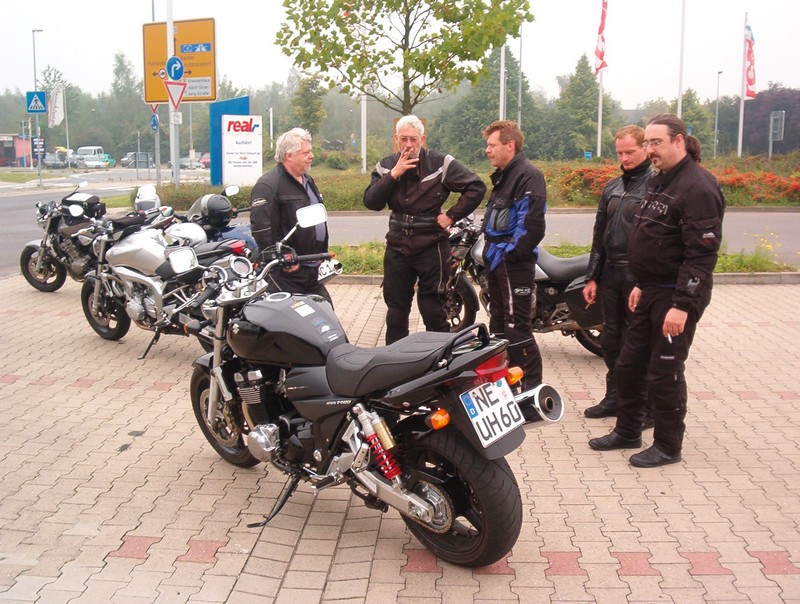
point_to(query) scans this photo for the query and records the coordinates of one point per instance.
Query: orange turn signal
(515, 374)
(438, 419)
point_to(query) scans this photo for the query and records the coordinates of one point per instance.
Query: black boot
(605, 408)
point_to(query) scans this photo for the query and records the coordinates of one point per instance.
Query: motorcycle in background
(144, 276)
(63, 249)
(558, 304)
(422, 426)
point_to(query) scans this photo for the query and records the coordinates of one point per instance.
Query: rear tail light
(237, 246)
(493, 369)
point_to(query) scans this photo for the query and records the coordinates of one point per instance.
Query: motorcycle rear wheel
(483, 497)
(228, 444)
(53, 276)
(109, 320)
(590, 340)
(461, 305)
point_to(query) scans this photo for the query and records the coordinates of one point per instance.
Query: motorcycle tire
(461, 306)
(482, 497)
(110, 321)
(228, 444)
(50, 280)
(590, 340)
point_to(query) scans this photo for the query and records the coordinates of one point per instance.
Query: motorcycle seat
(354, 371)
(562, 269)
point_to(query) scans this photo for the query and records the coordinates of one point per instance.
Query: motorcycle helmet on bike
(146, 199)
(214, 209)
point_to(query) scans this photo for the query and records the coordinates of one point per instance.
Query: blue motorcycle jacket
(514, 223)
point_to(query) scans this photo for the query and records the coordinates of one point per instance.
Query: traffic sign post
(194, 47)
(36, 102)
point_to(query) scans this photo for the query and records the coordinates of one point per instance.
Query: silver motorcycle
(149, 277)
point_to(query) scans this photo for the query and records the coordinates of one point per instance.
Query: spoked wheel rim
(50, 278)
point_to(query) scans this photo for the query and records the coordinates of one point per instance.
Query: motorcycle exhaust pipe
(541, 403)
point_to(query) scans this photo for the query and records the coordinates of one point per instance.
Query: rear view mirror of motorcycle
(230, 190)
(76, 211)
(312, 215)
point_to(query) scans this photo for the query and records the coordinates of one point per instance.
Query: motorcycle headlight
(183, 259)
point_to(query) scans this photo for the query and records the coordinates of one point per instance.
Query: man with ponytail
(673, 248)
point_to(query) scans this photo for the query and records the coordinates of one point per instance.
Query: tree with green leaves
(458, 131)
(307, 105)
(398, 52)
(697, 118)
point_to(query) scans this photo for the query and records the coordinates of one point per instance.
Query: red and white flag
(749, 63)
(600, 49)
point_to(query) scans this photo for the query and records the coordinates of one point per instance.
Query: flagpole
(741, 97)
(680, 67)
(600, 117)
(502, 112)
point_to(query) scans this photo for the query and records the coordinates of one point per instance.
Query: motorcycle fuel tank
(286, 330)
(143, 250)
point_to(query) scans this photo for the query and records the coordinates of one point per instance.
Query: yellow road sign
(195, 45)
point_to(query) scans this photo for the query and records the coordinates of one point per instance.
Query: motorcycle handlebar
(315, 257)
(209, 292)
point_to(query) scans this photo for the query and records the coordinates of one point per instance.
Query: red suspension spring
(386, 460)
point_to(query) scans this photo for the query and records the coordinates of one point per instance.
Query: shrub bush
(337, 161)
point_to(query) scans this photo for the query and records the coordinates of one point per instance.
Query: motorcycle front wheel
(225, 432)
(51, 278)
(590, 340)
(479, 508)
(108, 319)
(461, 305)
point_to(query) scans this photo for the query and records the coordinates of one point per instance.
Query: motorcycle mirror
(76, 211)
(312, 215)
(230, 190)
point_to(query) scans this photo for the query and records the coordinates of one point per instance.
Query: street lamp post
(716, 117)
(36, 88)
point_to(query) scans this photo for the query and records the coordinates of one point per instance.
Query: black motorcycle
(65, 247)
(422, 425)
(558, 304)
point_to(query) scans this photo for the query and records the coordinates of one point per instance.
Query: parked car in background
(205, 159)
(54, 161)
(134, 159)
(187, 164)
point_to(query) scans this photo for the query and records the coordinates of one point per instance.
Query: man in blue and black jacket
(513, 226)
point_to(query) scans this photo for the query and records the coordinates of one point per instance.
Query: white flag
(749, 63)
(55, 111)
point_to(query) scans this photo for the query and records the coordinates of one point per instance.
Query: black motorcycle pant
(305, 280)
(512, 295)
(429, 271)
(650, 363)
(614, 288)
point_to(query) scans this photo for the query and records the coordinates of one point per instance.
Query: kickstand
(288, 490)
(156, 336)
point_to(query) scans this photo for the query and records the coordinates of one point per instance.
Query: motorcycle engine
(141, 306)
(78, 262)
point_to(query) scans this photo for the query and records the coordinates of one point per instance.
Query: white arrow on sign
(175, 91)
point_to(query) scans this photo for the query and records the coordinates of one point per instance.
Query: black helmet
(217, 210)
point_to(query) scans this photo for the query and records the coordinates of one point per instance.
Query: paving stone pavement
(109, 492)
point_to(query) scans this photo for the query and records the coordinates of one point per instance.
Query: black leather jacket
(619, 203)
(416, 199)
(274, 200)
(677, 233)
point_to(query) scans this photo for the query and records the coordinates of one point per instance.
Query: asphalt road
(742, 230)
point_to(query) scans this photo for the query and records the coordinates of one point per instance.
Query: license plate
(492, 410)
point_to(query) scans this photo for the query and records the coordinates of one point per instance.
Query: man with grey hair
(275, 199)
(415, 182)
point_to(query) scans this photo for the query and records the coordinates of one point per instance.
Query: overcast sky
(642, 42)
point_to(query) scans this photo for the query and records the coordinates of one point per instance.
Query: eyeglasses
(654, 142)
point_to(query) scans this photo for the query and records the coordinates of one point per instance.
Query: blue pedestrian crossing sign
(36, 102)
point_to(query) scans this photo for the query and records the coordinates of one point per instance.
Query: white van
(91, 157)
